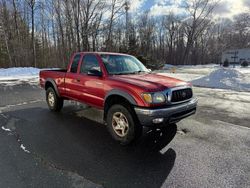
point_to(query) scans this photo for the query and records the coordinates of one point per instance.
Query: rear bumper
(171, 114)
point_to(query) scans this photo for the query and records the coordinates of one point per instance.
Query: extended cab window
(89, 62)
(75, 63)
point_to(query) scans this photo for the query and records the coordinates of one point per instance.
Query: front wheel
(122, 124)
(54, 102)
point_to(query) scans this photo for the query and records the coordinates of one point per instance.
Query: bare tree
(32, 4)
(4, 28)
(76, 11)
(91, 11)
(116, 10)
(61, 37)
(171, 24)
(199, 11)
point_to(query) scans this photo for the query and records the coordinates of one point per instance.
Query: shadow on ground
(83, 146)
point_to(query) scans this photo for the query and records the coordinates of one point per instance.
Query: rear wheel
(54, 102)
(122, 124)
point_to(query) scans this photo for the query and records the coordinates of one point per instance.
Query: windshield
(121, 64)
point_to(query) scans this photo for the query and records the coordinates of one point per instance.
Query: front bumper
(170, 114)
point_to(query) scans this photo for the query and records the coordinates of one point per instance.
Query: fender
(50, 80)
(122, 94)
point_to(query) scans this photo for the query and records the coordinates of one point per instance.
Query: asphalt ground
(39, 148)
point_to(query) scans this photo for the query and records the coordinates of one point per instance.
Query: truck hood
(150, 82)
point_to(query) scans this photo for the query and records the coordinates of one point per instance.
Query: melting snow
(17, 75)
(18, 72)
(24, 148)
(5, 129)
(21, 146)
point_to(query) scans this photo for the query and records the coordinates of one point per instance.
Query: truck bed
(56, 70)
(58, 75)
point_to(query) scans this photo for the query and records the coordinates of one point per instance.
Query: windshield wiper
(138, 72)
(125, 73)
(120, 73)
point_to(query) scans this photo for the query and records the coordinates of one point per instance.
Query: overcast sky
(225, 8)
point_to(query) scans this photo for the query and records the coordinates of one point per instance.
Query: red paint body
(92, 89)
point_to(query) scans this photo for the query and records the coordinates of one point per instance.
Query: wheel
(122, 124)
(54, 102)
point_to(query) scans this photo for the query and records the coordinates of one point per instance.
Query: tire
(54, 102)
(123, 124)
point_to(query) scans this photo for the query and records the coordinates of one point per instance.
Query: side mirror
(94, 72)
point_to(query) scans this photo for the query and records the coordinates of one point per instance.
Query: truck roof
(103, 53)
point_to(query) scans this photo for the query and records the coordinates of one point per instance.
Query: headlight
(147, 97)
(154, 97)
(158, 98)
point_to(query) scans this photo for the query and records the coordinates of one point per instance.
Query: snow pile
(19, 75)
(187, 72)
(198, 66)
(182, 76)
(224, 78)
(18, 72)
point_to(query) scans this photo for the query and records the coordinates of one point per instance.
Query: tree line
(43, 33)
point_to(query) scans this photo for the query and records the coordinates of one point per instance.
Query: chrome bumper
(170, 114)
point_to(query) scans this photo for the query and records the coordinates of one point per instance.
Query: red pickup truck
(130, 95)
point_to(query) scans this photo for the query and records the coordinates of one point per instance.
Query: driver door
(91, 87)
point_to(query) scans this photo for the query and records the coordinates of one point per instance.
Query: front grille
(181, 95)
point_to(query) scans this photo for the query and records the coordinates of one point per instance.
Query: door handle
(98, 83)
